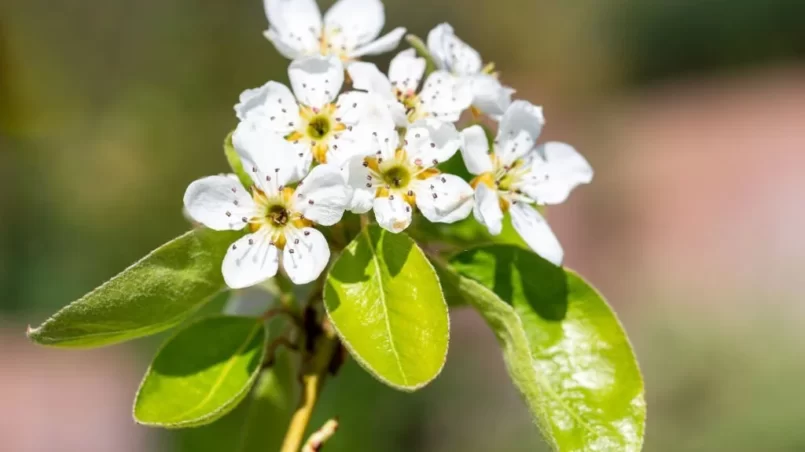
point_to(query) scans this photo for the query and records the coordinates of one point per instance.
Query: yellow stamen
(487, 179)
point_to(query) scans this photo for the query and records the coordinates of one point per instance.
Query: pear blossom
(455, 56)
(399, 177)
(441, 96)
(320, 124)
(350, 29)
(279, 219)
(516, 176)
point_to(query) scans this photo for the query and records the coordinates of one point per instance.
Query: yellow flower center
(393, 176)
(501, 179)
(317, 128)
(274, 212)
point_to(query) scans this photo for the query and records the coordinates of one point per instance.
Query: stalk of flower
(320, 124)
(455, 56)
(279, 218)
(442, 96)
(517, 175)
(400, 177)
(349, 31)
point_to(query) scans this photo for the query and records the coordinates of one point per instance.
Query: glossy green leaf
(235, 163)
(201, 373)
(154, 294)
(564, 348)
(385, 301)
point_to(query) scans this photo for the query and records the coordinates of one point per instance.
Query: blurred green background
(691, 112)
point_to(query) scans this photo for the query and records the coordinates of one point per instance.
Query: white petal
(475, 150)
(556, 169)
(294, 26)
(444, 198)
(322, 196)
(385, 43)
(218, 202)
(306, 255)
(489, 96)
(519, 129)
(444, 97)
(351, 23)
(316, 80)
(361, 201)
(367, 77)
(392, 213)
(451, 53)
(269, 159)
(536, 232)
(291, 46)
(406, 71)
(250, 302)
(272, 104)
(250, 260)
(430, 142)
(357, 177)
(487, 209)
(293, 14)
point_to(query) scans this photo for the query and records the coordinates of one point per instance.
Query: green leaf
(271, 406)
(386, 304)
(422, 49)
(235, 163)
(201, 373)
(155, 294)
(564, 348)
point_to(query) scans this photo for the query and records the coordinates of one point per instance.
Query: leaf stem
(315, 367)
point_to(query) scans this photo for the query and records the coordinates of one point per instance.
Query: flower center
(277, 215)
(396, 175)
(318, 127)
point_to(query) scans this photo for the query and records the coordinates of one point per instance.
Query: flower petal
(451, 53)
(406, 71)
(385, 43)
(316, 80)
(487, 209)
(533, 228)
(489, 96)
(556, 169)
(322, 196)
(272, 104)
(351, 23)
(359, 180)
(444, 198)
(444, 96)
(219, 202)
(430, 142)
(475, 150)
(392, 213)
(250, 260)
(306, 255)
(294, 26)
(519, 129)
(269, 159)
(367, 77)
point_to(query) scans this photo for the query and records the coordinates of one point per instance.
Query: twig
(318, 438)
(316, 366)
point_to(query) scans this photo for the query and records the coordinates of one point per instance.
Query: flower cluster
(316, 150)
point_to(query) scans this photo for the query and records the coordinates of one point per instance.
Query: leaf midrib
(220, 380)
(375, 260)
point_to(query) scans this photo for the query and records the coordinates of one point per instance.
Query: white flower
(350, 29)
(398, 178)
(280, 219)
(455, 56)
(517, 175)
(318, 126)
(441, 97)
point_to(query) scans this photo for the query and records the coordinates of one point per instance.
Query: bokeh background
(691, 111)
